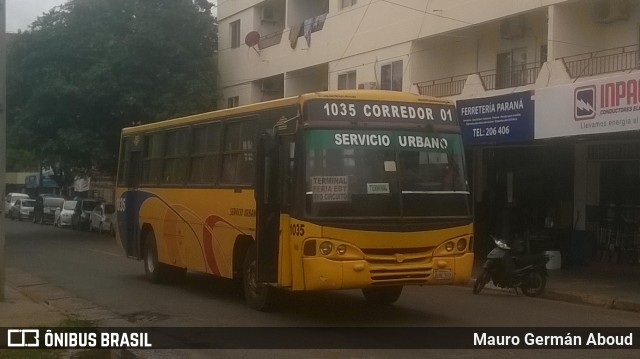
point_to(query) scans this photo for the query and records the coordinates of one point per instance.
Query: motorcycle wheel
(481, 281)
(534, 284)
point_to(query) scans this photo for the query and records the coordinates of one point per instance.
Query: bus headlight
(341, 249)
(326, 248)
(462, 244)
(448, 246)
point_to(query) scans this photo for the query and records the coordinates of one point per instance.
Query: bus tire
(481, 281)
(258, 296)
(153, 270)
(382, 295)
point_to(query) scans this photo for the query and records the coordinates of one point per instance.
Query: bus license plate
(443, 274)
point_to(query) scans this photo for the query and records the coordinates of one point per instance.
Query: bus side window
(124, 161)
(205, 154)
(238, 158)
(176, 148)
(152, 158)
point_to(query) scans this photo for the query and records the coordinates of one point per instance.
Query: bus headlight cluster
(449, 246)
(326, 248)
(460, 245)
(331, 249)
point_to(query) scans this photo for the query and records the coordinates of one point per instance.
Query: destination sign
(355, 110)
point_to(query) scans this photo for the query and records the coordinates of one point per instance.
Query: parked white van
(10, 199)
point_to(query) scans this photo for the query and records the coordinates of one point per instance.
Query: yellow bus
(330, 190)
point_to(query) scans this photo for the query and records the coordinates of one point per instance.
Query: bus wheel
(152, 268)
(155, 271)
(382, 295)
(257, 295)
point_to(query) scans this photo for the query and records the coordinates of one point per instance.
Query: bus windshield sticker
(330, 188)
(390, 166)
(378, 188)
(438, 158)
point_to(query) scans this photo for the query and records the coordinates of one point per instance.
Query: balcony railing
(448, 86)
(270, 40)
(602, 62)
(491, 80)
(525, 75)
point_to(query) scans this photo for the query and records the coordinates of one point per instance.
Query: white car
(64, 215)
(22, 209)
(101, 218)
(10, 200)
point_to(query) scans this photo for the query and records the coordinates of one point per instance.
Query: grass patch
(31, 353)
(73, 321)
(55, 353)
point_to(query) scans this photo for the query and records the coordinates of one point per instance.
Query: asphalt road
(94, 267)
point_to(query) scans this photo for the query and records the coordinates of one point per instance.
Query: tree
(89, 68)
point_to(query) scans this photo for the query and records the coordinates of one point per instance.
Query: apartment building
(548, 94)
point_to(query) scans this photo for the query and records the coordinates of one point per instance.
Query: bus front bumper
(327, 274)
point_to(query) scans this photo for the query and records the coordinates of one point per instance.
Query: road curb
(578, 298)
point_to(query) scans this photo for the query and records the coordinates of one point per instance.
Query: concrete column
(580, 175)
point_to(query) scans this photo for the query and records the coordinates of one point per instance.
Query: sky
(21, 13)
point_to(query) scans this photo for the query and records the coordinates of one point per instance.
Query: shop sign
(497, 119)
(606, 105)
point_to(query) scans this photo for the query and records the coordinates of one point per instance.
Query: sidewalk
(614, 286)
(31, 301)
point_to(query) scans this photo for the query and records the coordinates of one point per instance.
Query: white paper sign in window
(330, 188)
(377, 188)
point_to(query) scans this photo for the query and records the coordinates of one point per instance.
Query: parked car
(82, 213)
(45, 208)
(22, 209)
(10, 199)
(102, 218)
(64, 214)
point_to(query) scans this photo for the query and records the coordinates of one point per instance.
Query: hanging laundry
(294, 34)
(318, 22)
(308, 23)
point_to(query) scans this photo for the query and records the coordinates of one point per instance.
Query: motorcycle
(528, 272)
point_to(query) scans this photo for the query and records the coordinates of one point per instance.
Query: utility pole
(3, 136)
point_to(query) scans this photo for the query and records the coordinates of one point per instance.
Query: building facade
(547, 92)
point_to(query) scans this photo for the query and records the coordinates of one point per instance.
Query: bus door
(267, 208)
(131, 240)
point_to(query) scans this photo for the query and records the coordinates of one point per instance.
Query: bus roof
(374, 95)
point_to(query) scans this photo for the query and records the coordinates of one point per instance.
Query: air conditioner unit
(513, 28)
(368, 85)
(608, 11)
(268, 14)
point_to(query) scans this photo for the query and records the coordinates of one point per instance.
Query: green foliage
(89, 68)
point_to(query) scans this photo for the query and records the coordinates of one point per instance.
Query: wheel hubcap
(253, 283)
(150, 264)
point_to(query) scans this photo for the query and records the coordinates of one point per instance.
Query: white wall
(366, 28)
(368, 65)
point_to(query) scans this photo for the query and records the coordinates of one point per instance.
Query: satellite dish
(252, 39)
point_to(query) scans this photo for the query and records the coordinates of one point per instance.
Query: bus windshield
(355, 173)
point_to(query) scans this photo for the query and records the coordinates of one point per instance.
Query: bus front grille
(399, 266)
